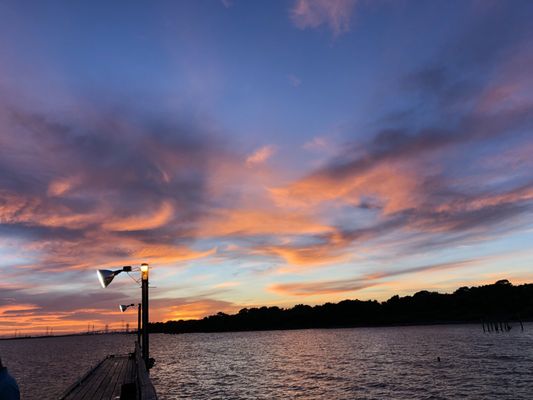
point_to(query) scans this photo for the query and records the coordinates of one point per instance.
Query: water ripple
(369, 363)
(365, 363)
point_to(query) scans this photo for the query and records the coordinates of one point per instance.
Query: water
(363, 363)
(45, 367)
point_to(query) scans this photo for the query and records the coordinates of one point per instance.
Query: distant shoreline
(65, 335)
(500, 305)
(399, 325)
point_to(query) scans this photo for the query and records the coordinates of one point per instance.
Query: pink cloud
(294, 80)
(335, 14)
(260, 156)
(316, 144)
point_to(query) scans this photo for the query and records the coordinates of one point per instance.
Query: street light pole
(139, 323)
(144, 288)
(124, 307)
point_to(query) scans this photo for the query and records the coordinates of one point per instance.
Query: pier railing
(145, 388)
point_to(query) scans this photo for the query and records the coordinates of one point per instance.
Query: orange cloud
(228, 284)
(332, 248)
(249, 222)
(395, 186)
(194, 309)
(351, 285)
(34, 210)
(157, 219)
(13, 309)
(164, 254)
(31, 320)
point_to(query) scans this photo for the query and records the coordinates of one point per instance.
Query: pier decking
(121, 377)
(105, 380)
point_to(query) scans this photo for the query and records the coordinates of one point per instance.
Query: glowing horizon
(259, 154)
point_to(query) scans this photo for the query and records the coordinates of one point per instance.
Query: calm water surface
(364, 363)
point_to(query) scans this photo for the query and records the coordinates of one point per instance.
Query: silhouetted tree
(501, 301)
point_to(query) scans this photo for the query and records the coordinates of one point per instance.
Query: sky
(259, 153)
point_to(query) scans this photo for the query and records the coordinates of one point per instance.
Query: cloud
(191, 308)
(110, 193)
(447, 164)
(319, 288)
(316, 144)
(336, 14)
(30, 311)
(227, 3)
(394, 186)
(227, 284)
(294, 80)
(158, 218)
(61, 186)
(260, 156)
(255, 222)
(407, 185)
(338, 245)
(352, 285)
(435, 171)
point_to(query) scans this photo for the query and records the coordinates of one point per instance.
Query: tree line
(501, 301)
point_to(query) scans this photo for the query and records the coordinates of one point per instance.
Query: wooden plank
(92, 386)
(100, 382)
(117, 379)
(112, 380)
(93, 379)
(104, 383)
(75, 386)
(130, 374)
(129, 386)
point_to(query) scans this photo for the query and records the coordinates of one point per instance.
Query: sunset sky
(259, 153)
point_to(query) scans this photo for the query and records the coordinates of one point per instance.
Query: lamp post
(144, 300)
(124, 307)
(105, 277)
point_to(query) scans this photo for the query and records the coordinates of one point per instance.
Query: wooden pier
(123, 377)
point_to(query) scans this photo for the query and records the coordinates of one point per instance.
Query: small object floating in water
(438, 359)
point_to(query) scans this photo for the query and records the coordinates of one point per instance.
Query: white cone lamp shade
(124, 307)
(105, 276)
